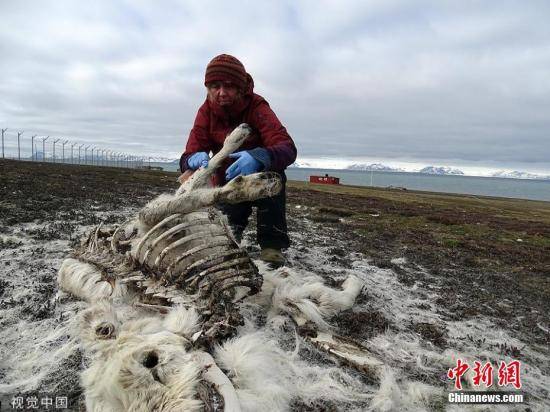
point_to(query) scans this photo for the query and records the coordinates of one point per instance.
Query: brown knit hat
(226, 68)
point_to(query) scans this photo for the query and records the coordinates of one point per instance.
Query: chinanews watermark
(36, 402)
(486, 397)
(508, 381)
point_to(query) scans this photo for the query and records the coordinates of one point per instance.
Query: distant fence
(58, 150)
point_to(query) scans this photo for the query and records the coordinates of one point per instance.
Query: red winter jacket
(213, 123)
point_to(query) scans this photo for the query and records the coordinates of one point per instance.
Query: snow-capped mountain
(348, 164)
(160, 159)
(519, 175)
(441, 170)
(375, 167)
(301, 164)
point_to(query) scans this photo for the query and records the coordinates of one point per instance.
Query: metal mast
(79, 147)
(86, 154)
(72, 148)
(44, 148)
(19, 145)
(3, 131)
(63, 145)
(32, 148)
(54, 142)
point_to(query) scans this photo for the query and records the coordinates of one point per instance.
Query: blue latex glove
(197, 160)
(245, 165)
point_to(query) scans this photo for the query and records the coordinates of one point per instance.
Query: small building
(146, 167)
(326, 179)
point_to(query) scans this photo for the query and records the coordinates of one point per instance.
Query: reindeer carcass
(165, 290)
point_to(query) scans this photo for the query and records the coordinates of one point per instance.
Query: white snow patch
(399, 261)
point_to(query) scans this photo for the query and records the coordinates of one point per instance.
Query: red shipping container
(326, 179)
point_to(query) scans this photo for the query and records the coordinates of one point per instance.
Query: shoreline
(321, 187)
(404, 172)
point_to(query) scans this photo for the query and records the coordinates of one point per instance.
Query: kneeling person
(231, 101)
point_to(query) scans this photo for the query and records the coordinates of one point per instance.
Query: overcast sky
(435, 82)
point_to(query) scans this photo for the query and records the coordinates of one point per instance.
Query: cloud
(424, 80)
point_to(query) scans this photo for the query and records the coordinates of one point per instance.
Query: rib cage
(196, 252)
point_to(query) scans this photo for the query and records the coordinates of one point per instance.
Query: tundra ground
(446, 276)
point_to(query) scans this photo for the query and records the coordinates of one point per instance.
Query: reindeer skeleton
(181, 251)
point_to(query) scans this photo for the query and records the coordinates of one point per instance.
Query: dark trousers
(271, 219)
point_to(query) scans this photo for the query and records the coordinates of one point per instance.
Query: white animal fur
(85, 281)
(411, 396)
(240, 189)
(119, 380)
(263, 375)
(182, 321)
(304, 295)
(195, 193)
(200, 178)
(259, 370)
(268, 378)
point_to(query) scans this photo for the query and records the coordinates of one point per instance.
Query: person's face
(223, 93)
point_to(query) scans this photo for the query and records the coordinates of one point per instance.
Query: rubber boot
(273, 257)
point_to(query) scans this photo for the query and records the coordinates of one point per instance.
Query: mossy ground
(490, 256)
(485, 257)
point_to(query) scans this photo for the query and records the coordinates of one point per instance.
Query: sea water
(472, 185)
